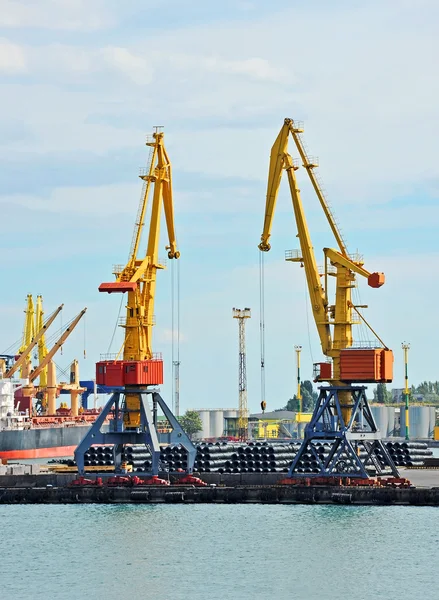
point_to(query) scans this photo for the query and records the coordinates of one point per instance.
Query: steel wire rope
(115, 325)
(85, 336)
(177, 408)
(178, 312)
(175, 326)
(58, 332)
(13, 347)
(172, 334)
(262, 321)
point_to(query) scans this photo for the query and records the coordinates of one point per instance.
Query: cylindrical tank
(205, 420)
(381, 416)
(432, 422)
(229, 413)
(216, 422)
(419, 422)
(390, 421)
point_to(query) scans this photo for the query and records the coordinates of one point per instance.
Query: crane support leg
(333, 447)
(146, 433)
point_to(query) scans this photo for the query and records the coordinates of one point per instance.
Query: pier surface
(56, 488)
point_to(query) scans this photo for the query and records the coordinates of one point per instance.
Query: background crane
(341, 406)
(132, 376)
(242, 315)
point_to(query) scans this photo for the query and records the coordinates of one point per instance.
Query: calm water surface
(218, 552)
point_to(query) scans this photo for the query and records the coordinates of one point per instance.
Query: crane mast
(242, 316)
(342, 409)
(28, 336)
(42, 348)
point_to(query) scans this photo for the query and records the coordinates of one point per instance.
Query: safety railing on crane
(122, 321)
(293, 255)
(115, 356)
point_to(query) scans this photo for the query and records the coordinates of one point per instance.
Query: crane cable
(262, 322)
(175, 325)
(115, 325)
(172, 335)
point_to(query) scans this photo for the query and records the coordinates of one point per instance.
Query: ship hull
(48, 442)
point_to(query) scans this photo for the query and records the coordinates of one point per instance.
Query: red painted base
(38, 452)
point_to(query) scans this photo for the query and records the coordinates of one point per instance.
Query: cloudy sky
(84, 81)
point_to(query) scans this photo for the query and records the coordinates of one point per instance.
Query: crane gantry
(341, 405)
(131, 378)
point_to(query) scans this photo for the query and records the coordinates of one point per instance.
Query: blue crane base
(335, 448)
(147, 434)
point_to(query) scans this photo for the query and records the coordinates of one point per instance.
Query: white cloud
(74, 15)
(133, 66)
(93, 200)
(12, 57)
(253, 67)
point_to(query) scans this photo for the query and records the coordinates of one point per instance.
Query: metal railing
(293, 255)
(108, 356)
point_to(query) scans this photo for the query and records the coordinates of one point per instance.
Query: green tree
(191, 422)
(293, 404)
(309, 398)
(381, 395)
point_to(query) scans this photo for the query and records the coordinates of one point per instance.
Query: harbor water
(218, 552)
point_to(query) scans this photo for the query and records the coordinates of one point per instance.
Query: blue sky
(83, 82)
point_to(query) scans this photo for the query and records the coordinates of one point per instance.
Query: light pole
(298, 349)
(406, 348)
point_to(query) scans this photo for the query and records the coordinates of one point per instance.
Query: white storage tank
(419, 422)
(432, 423)
(216, 422)
(391, 424)
(205, 420)
(381, 416)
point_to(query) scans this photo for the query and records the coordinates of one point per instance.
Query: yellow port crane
(346, 365)
(132, 377)
(138, 278)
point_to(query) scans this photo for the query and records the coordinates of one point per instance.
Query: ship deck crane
(47, 365)
(342, 414)
(28, 349)
(42, 348)
(134, 376)
(57, 345)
